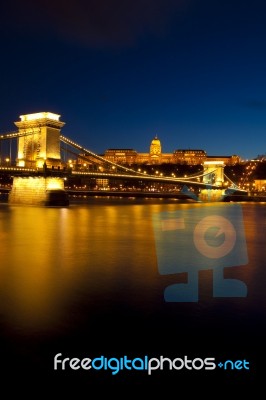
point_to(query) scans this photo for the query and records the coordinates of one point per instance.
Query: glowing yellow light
(40, 115)
(21, 163)
(54, 183)
(39, 163)
(213, 163)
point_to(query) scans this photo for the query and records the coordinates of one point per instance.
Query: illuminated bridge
(40, 160)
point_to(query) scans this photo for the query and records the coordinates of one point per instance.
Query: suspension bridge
(37, 157)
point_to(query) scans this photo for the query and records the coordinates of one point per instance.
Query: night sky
(119, 72)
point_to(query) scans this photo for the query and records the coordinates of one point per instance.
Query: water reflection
(86, 279)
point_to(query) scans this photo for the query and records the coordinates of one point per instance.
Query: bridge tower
(213, 172)
(39, 142)
(213, 175)
(39, 148)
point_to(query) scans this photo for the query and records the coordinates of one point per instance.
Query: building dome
(155, 147)
(156, 141)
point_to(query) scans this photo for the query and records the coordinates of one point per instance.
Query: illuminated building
(121, 156)
(156, 156)
(190, 157)
(260, 185)
(130, 156)
(228, 160)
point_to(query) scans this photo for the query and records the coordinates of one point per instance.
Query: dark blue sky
(120, 71)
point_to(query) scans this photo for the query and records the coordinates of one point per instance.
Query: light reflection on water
(51, 254)
(63, 270)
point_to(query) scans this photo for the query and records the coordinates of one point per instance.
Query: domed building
(155, 151)
(131, 156)
(156, 156)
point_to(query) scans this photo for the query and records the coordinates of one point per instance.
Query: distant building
(189, 156)
(156, 156)
(130, 156)
(260, 185)
(121, 156)
(228, 160)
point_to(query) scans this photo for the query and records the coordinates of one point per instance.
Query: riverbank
(242, 198)
(152, 195)
(191, 196)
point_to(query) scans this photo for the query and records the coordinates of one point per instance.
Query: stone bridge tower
(39, 149)
(213, 172)
(39, 142)
(213, 175)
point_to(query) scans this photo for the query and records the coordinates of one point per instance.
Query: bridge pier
(43, 191)
(211, 195)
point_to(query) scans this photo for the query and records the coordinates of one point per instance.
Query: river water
(132, 277)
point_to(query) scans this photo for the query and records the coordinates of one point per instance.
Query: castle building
(130, 156)
(156, 156)
(121, 156)
(189, 156)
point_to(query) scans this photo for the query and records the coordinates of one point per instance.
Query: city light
(43, 150)
(40, 115)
